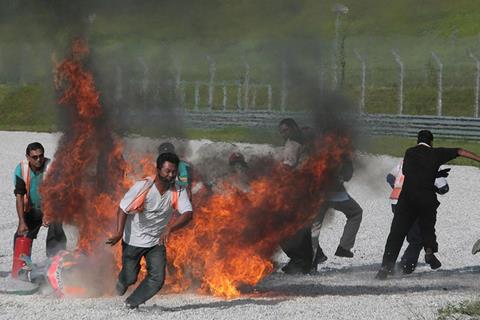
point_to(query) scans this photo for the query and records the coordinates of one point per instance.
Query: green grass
(261, 33)
(26, 108)
(456, 311)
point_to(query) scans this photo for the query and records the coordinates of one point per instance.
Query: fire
(231, 240)
(87, 177)
(233, 236)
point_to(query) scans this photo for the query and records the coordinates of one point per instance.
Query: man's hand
(22, 228)
(164, 236)
(443, 173)
(114, 239)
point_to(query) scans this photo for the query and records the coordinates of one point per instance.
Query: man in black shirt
(418, 199)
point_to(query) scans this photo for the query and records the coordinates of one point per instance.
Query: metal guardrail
(375, 124)
(407, 125)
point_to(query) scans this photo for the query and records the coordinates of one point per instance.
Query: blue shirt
(35, 182)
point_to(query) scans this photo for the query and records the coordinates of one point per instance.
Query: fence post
(178, 83)
(119, 84)
(283, 100)
(183, 94)
(254, 97)
(440, 84)
(269, 97)
(224, 96)
(211, 70)
(398, 60)
(239, 96)
(246, 86)
(477, 83)
(361, 104)
(197, 95)
(339, 10)
(321, 80)
(144, 83)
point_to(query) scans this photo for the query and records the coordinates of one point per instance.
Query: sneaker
(383, 273)
(341, 252)
(408, 268)
(295, 267)
(432, 261)
(130, 306)
(319, 258)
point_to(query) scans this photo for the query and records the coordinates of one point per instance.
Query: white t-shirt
(291, 153)
(144, 229)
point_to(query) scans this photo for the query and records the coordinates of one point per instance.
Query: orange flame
(87, 177)
(233, 236)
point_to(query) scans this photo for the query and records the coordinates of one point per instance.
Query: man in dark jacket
(395, 178)
(418, 199)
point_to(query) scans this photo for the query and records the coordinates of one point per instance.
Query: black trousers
(56, 239)
(299, 249)
(405, 215)
(156, 259)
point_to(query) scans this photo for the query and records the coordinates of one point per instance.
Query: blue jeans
(156, 259)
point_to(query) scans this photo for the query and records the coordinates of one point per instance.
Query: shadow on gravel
(282, 285)
(313, 290)
(329, 271)
(217, 305)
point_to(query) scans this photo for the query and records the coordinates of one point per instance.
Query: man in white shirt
(144, 223)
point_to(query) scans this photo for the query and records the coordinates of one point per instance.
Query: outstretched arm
(468, 154)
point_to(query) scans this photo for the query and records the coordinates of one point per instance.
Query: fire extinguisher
(22, 247)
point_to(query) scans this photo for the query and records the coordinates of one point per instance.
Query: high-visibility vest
(138, 203)
(25, 172)
(397, 186)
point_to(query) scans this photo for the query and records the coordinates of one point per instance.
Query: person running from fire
(299, 247)
(144, 222)
(395, 178)
(338, 199)
(28, 177)
(418, 199)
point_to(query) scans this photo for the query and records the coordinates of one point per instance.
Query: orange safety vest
(25, 172)
(397, 186)
(137, 205)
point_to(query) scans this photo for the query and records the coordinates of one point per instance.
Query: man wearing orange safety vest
(395, 179)
(144, 223)
(28, 177)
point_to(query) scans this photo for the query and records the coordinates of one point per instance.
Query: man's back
(421, 164)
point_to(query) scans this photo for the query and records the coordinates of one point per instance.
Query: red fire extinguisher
(23, 246)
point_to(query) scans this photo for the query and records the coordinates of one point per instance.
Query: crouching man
(143, 224)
